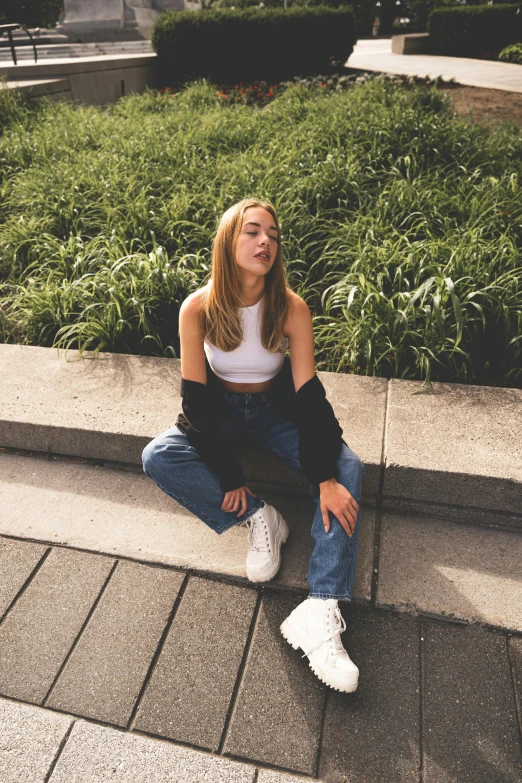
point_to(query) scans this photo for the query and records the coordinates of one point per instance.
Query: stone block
(278, 710)
(29, 740)
(40, 629)
(18, 559)
(455, 571)
(188, 695)
(104, 675)
(97, 753)
(411, 43)
(461, 445)
(470, 730)
(372, 735)
(93, 407)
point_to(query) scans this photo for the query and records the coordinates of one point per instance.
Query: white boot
(316, 626)
(267, 531)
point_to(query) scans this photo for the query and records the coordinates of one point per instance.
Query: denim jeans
(256, 420)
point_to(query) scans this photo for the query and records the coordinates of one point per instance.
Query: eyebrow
(251, 223)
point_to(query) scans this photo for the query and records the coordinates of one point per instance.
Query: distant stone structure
(112, 20)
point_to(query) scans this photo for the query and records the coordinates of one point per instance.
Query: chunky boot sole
(281, 537)
(298, 641)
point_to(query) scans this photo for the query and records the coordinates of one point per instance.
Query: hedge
(478, 31)
(252, 44)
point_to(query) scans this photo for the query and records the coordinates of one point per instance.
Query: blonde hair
(222, 300)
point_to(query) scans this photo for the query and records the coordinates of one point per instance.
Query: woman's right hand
(235, 499)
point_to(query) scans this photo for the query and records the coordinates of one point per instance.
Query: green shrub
(512, 54)
(401, 224)
(253, 44)
(32, 13)
(474, 31)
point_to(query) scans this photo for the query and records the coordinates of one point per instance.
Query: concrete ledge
(459, 447)
(93, 80)
(412, 43)
(37, 88)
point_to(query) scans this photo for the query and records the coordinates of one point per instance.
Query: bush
(220, 44)
(474, 31)
(512, 54)
(32, 13)
(401, 224)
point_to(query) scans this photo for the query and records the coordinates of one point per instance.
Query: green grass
(402, 225)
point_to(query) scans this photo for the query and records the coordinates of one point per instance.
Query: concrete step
(423, 565)
(455, 453)
(52, 51)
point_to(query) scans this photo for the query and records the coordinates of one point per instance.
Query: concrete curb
(459, 447)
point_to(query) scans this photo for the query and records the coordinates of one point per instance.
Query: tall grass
(402, 225)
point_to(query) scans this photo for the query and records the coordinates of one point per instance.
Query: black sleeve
(201, 423)
(320, 434)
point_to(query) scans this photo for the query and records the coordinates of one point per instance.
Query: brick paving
(201, 663)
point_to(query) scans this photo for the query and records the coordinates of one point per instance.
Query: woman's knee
(148, 457)
(165, 451)
(350, 468)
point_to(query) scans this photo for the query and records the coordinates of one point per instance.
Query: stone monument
(112, 20)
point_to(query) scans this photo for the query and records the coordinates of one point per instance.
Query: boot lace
(257, 534)
(336, 625)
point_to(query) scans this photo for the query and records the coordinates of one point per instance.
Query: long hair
(220, 306)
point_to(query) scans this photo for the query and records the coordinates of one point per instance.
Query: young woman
(239, 388)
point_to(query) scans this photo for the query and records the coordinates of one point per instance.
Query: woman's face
(256, 245)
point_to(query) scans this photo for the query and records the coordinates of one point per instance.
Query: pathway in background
(377, 56)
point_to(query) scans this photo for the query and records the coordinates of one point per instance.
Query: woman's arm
(191, 340)
(319, 431)
(201, 417)
(300, 333)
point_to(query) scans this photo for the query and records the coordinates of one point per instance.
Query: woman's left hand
(335, 497)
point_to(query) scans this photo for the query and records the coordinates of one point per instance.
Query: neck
(250, 295)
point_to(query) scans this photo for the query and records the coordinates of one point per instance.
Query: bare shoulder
(191, 307)
(297, 305)
(193, 301)
(299, 317)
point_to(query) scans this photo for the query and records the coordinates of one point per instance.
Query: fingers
(236, 499)
(347, 518)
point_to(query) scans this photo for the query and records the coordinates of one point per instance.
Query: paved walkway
(150, 653)
(377, 56)
(133, 649)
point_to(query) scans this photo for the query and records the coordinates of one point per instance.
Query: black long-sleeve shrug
(320, 435)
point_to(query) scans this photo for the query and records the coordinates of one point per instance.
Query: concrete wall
(92, 80)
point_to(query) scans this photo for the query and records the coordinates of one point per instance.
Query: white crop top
(250, 362)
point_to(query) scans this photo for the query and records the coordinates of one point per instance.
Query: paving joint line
(379, 507)
(421, 700)
(240, 671)
(271, 767)
(321, 732)
(58, 753)
(27, 582)
(158, 651)
(438, 511)
(80, 633)
(518, 705)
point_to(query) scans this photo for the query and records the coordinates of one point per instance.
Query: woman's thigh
(281, 440)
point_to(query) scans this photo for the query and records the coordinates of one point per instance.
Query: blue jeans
(256, 420)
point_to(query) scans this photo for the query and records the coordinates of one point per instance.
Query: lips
(263, 256)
